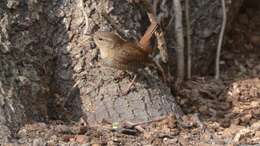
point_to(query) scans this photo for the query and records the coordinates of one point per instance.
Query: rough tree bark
(26, 62)
(49, 67)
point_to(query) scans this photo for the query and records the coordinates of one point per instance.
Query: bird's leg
(129, 86)
(120, 75)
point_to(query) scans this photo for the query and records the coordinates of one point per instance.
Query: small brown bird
(120, 54)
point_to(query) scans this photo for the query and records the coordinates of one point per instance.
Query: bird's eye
(100, 39)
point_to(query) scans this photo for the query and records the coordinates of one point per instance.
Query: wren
(120, 54)
(123, 55)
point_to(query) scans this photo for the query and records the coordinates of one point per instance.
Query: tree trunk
(89, 89)
(49, 67)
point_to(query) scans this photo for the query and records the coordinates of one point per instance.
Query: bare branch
(221, 35)
(85, 15)
(188, 34)
(180, 41)
(162, 44)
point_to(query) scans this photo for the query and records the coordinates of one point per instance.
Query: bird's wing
(131, 53)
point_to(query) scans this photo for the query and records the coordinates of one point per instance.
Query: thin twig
(162, 44)
(128, 124)
(188, 31)
(180, 41)
(84, 14)
(221, 35)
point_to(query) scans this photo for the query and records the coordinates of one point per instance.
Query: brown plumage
(121, 54)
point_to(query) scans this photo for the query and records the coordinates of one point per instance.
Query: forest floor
(229, 109)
